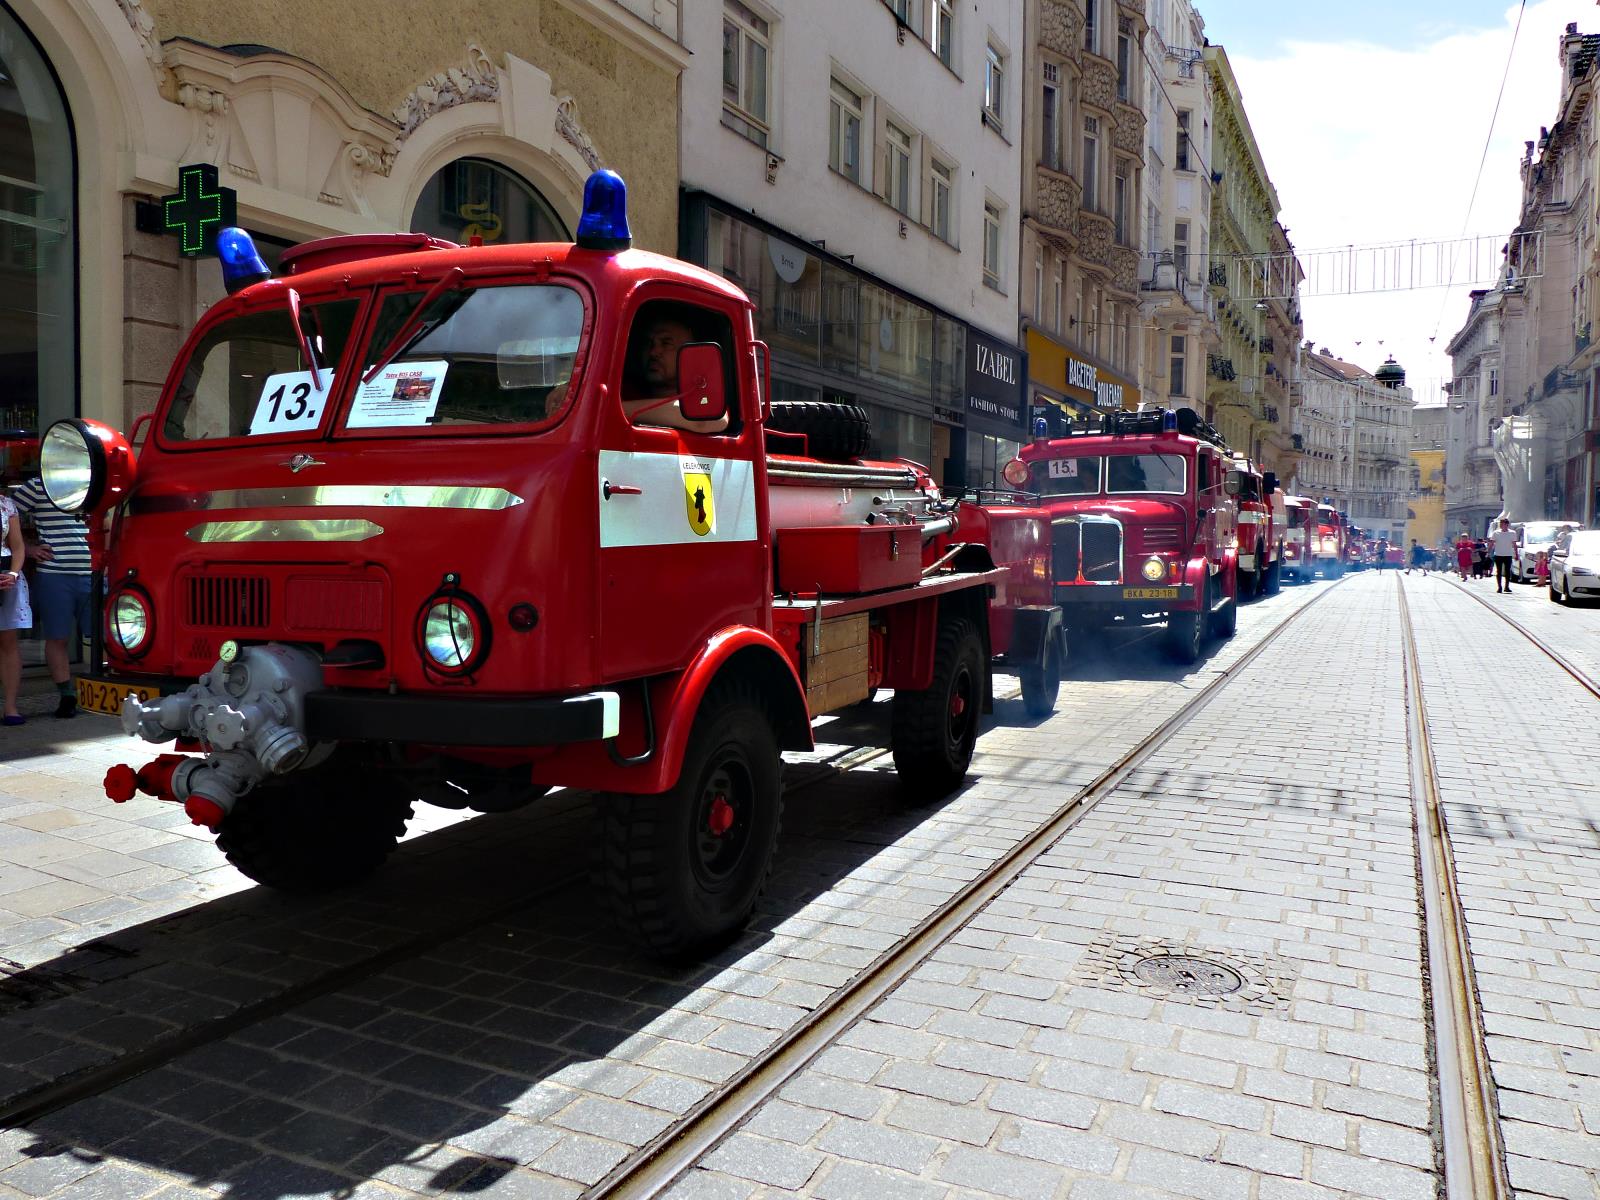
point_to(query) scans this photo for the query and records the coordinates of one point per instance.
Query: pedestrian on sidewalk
(14, 612)
(63, 585)
(1541, 569)
(1421, 557)
(1482, 564)
(1463, 556)
(1505, 542)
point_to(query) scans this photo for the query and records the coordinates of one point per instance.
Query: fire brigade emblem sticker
(697, 496)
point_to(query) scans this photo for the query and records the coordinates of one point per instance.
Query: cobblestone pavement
(534, 1016)
(529, 1055)
(1518, 755)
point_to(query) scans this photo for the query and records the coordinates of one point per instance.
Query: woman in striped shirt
(14, 611)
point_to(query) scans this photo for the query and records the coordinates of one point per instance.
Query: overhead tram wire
(1483, 159)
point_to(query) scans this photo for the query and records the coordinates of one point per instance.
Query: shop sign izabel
(994, 382)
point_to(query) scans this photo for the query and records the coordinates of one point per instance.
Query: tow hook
(249, 710)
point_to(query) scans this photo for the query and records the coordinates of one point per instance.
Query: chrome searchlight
(84, 465)
(604, 223)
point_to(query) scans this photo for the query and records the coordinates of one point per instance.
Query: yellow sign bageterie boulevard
(1053, 366)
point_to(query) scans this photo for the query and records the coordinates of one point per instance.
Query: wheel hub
(720, 819)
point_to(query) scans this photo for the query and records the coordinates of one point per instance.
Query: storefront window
(473, 197)
(38, 243)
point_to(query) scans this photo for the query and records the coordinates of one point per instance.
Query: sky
(1371, 116)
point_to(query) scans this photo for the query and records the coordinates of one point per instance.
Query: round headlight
(129, 623)
(1153, 568)
(452, 635)
(1015, 473)
(72, 466)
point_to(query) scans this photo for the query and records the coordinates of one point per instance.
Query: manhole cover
(1189, 975)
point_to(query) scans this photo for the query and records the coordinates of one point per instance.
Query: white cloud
(1377, 143)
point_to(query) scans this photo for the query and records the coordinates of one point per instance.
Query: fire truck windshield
(1067, 477)
(1128, 474)
(1299, 518)
(247, 375)
(487, 356)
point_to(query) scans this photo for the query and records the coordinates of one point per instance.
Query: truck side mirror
(1269, 482)
(1233, 483)
(701, 382)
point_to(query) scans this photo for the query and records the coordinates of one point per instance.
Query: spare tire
(833, 431)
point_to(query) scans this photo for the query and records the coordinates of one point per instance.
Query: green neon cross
(198, 209)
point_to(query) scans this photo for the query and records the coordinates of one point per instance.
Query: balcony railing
(1219, 367)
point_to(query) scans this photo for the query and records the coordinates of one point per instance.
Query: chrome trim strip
(333, 495)
(285, 531)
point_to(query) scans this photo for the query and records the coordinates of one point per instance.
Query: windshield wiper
(407, 333)
(300, 336)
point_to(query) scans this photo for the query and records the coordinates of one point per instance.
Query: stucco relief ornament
(210, 104)
(568, 126)
(144, 28)
(477, 80)
(371, 160)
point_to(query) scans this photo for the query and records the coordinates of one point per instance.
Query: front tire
(1186, 631)
(1555, 596)
(934, 731)
(327, 829)
(1225, 620)
(1275, 578)
(683, 869)
(1040, 685)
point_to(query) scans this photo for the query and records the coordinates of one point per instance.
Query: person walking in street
(1463, 556)
(1421, 557)
(63, 584)
(1504, 542)
(15, 614)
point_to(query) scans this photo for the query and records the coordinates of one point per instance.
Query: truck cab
(1330, 545)
(1299, 537)
(1144, 524)
(1259, 562)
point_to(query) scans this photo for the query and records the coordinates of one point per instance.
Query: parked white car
(1538, 537)
(1575, 567)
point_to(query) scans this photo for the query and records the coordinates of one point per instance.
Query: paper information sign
(290, 401)
(401, 394)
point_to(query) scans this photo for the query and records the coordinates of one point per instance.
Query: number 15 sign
(291, 401)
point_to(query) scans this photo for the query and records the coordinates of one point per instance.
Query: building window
(1180, 248)
(1050, 119)
(473, 197)
(1091, 164)
(992, 274)
(1181, 161)
(845, 109)
(994, 87)
(940, 195)
(1119, 203)
(1055, 290)
(1176, 363)
(942, 29)
(1124, 67)
(1038, 285)
(1494, 383)
(902, 9)
(746, 41)
(897, 167)
(1091, 25)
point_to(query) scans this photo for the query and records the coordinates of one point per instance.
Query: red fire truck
(1299, 539)
(421, 521)
(1260, 559)
(1330, 545)
(1143, 520)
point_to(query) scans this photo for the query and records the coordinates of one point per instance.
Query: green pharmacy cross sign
(198, 209)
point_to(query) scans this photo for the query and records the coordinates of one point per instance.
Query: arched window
(473, 196)
(38, 239)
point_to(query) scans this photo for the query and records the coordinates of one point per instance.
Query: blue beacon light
(241, 264)
(604, 224)
(1041, 429)
(1169, 420)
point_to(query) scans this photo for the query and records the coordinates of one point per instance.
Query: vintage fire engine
(1144, 523)
(1260, 558)
(459, 524)
(1299, 538)
(1329, 547)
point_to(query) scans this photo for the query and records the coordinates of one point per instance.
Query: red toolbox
(840, 559)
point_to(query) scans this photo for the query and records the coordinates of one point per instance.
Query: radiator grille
(228, 602)
(333, 605)
(1102, 552)
(1064, 542)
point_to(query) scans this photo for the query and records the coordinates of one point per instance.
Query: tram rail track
(1583, 680)
(657, 1166)
(1471, 1151)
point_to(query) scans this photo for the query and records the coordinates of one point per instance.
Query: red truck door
(684, 549)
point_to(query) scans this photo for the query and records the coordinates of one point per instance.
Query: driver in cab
(650, 389)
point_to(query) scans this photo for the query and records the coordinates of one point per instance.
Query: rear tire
(833, 431)
(1040, 685)
(683, 869)
(933, 731)
(312, 833)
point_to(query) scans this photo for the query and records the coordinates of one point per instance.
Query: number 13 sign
(291, 401)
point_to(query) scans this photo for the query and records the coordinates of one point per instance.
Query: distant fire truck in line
(459, 524)
(1144, 516)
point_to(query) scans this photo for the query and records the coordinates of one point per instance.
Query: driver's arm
(667, 413)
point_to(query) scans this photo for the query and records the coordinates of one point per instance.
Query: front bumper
(453, 720)
(1130, 601)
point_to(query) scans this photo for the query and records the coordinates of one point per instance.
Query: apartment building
(1358, 454)
(1085, 71)
(1476, 403)
(856, 167)
(1177, 310)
